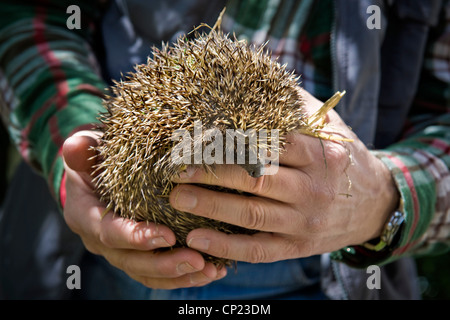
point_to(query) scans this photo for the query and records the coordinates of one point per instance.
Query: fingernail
(186, 200)
(201, 244)
(185, 267)
(186, 174)
(159, 242)
(199, 279)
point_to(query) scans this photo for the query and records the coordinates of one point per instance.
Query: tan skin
(306, 208)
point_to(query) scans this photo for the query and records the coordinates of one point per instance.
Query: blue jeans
(36, 247)
(289, 279)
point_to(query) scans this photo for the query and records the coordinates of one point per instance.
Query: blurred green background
(434, 277)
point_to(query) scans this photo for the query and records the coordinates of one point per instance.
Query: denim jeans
(289, 279)
(36, 248)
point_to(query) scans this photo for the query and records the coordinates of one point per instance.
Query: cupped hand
(127, 245)
(325, 195)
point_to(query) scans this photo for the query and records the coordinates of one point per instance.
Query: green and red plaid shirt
(50, 87)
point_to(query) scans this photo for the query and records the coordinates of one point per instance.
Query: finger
(122, 233)
(326, 158)
(79, 155)
(195, 279)
(258, 248)
(157, 264)
(111, 230)
(299, 150)
(249, 212)
(78, 152)
(283, 186)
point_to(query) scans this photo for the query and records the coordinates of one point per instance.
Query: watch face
(389, 234)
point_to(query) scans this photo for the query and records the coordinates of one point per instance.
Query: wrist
(390, 198)
(391, 212)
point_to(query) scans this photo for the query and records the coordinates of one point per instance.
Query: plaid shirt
(49, 88)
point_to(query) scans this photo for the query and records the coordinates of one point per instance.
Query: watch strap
(390, 230)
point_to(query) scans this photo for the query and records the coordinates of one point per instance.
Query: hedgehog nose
(254, 170)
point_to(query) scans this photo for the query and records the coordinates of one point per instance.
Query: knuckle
(306, 248)
(258, 185)
(254, 216)
(224, 250)
(336, 155)
(214, 209)
(257, 253)
(316, 224)
(293, 250)
(325, 195)
(241, 180)
(104, 238)
(332, 150)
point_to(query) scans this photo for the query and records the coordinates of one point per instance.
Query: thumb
(79, 155)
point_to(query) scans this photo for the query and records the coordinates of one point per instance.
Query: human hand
(326, 195)
(126, 244)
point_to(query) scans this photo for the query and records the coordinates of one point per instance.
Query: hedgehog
(211, 79)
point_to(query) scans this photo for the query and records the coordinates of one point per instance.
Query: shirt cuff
(417, 196)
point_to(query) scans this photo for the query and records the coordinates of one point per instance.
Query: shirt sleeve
(49, 84)
(420, 162)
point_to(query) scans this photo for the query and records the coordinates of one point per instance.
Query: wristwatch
(390, 230)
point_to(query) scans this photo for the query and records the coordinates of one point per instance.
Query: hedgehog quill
(212, 79)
